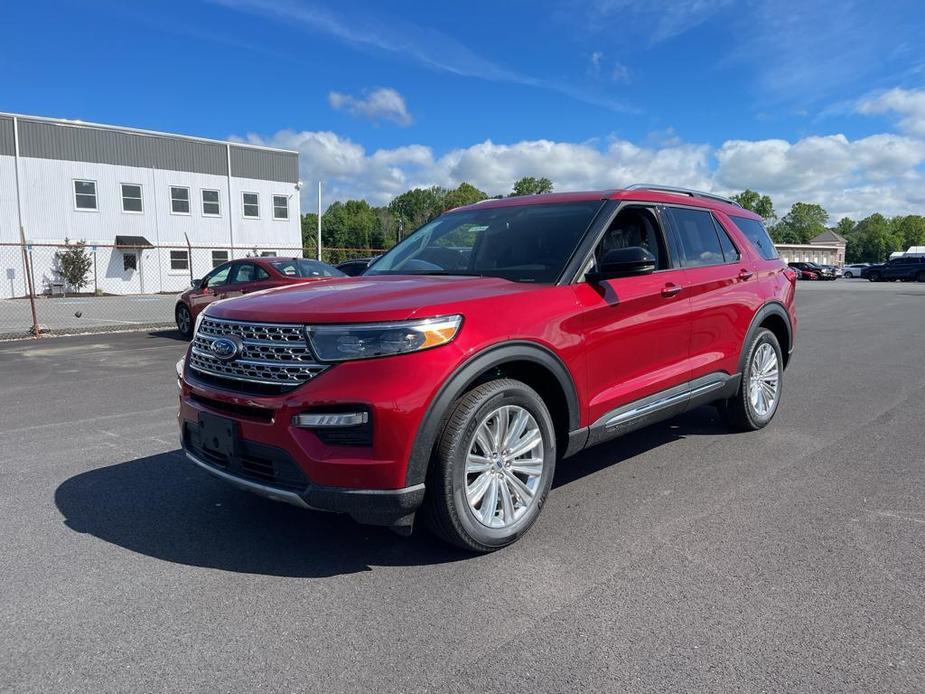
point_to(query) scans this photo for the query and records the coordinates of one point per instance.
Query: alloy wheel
(764, 380)
(504, 466)
(183, 319)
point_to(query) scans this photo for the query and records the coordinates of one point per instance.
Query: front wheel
(848, 275)
(920, 277)
(758, 397)
(493, 467)
(874, 277)
(184, 321)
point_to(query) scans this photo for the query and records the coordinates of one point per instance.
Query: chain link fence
(58, 289)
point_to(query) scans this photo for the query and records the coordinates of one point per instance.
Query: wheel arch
(773, 316)
(529, 362)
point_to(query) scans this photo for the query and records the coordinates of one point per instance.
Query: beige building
(828, 248)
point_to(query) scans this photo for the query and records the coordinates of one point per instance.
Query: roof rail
(681, 191)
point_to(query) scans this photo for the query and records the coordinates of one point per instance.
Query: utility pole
(319, 220)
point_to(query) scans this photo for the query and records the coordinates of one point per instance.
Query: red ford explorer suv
(486, 348)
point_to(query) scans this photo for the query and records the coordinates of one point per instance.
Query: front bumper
(367, 478)
(268, 472)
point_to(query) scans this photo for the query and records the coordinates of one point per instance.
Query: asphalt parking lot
(680, 558)
(75, 314)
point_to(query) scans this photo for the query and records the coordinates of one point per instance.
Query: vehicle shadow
(164, 507)
(169, 334)
(701, 421)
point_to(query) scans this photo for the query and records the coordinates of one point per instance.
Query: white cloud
(664, 19)
(620, 73)
(878, 173)
(380, 104)
(909, 105)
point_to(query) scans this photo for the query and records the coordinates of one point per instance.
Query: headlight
(344, 342)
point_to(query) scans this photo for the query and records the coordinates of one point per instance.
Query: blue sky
(817, 100)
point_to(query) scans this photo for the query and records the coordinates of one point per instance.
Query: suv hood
(365, 299)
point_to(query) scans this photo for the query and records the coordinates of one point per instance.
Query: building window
(179, 260)
(280, 207)
(131, 197)
(179, 200)
(85, 195)
(129, 261)
(211, 207)
(268, 254)
(219, 257)
(251, 204)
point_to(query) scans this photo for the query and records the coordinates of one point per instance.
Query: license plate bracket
(217, 434)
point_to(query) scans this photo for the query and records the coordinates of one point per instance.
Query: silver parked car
(854, 270)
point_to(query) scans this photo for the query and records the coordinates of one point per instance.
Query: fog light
(317, 420)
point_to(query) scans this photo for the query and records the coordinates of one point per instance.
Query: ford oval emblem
(226, 348)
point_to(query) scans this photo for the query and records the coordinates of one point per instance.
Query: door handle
(670, 290)
(745, 274)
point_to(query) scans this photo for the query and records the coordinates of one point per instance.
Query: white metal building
(135, 197)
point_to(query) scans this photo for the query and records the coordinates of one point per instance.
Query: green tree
(804, 221)
(310, 233)
(465, 194)
(872, 241)
(417, 206)
(910, 230)
(528, 185)
(757, 203)
(845, 227)
(73, 264)
(347, 224)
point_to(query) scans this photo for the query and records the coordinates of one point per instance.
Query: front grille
(274, 354)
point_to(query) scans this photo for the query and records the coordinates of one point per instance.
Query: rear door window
(755, 232)
(730, 252)
(698, 238)
(248, 272)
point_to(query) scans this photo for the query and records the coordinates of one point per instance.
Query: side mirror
(196, 284)
(623, 262)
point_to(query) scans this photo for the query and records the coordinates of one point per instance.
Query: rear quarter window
(755, 232)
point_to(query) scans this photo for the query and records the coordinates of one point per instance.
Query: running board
(663, 405)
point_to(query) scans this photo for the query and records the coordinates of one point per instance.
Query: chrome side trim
(248, 486)
(663, 403)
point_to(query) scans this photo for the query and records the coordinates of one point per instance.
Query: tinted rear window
(699, 240)
(297, 267)
(756, 233)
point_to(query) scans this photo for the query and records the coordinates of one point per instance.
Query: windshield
(524, 243)
(299, 267)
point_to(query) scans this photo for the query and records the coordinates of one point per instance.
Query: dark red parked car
(244, 276)
(486, 348)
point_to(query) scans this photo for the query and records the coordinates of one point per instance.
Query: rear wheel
(920, 277)
(848, 275)
(758, 397)
(493, 467)
(184, 321)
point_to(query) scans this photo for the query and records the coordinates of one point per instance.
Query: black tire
(873, 276)
(184, 321)
(848, 275)
(738, 410)
(446, 509)
(920, 277)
